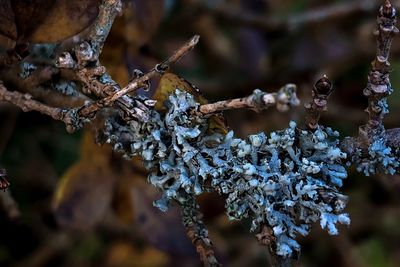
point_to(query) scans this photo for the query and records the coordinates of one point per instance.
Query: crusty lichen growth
(287, 180)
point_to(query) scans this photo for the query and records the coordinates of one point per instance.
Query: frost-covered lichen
(286, 180)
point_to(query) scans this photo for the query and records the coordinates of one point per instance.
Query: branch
(26, 103)
(111, 91)
(258, 101)
(86, 68)
(379, 87)
(197, 232)
(157, 70)
(108, 11)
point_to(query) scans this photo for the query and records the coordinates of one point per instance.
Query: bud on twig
(322, 90)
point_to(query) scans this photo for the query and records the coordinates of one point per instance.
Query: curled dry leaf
(42, 21)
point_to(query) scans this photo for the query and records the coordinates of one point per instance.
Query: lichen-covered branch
(375, 150)
(379, 87)
(108, 11)
(271, 180)
(258, 100)
(197, 232)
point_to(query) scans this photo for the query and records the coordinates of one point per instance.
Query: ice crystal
(287, 180)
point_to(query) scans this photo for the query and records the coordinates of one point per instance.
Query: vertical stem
(197, 232)
(379, 87)
(108, 11)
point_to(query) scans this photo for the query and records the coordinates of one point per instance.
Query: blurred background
(72, 203)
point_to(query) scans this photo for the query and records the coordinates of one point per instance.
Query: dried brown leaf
(39, 21)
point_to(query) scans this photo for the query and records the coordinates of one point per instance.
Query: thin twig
(157, 70)
(258, 100)
(26, 103)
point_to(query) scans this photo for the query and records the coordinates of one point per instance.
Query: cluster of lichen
(286, 181)
(379, 158)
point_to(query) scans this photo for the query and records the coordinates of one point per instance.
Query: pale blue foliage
(287, 180)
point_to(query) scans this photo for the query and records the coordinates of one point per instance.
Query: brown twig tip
(323, 88)
(388, 10)
(379, 87)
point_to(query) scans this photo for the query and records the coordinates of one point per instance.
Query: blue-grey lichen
(68, 88)
(26, 70)
(380, 158)
(286, 180)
